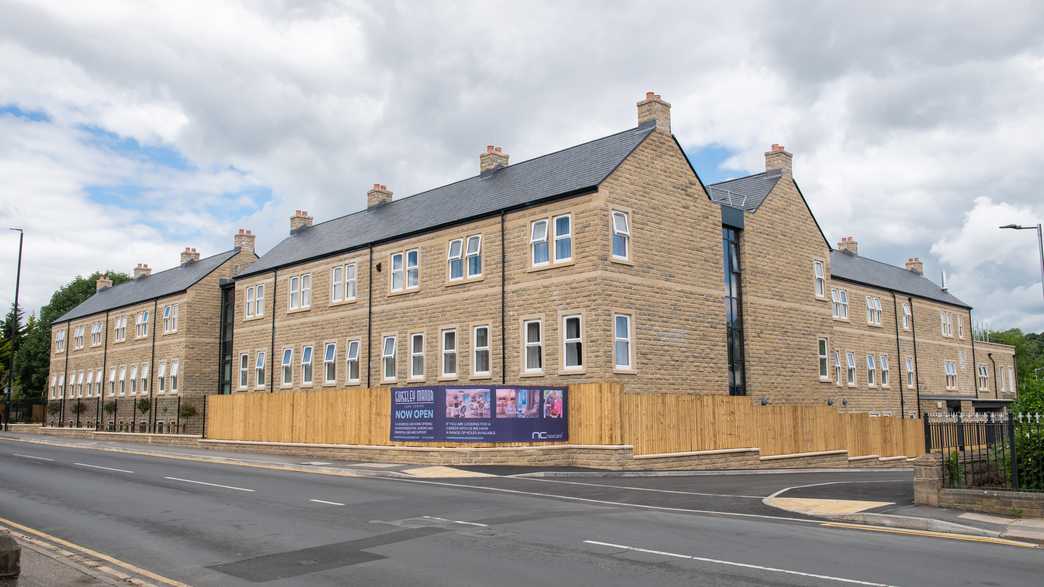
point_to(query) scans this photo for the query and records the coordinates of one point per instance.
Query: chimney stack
(654, 108)
(142, 270)
(915, 265)
(848, 245)
(300, 220)
(378, 195)
(189, 255)
(103, 282)
(244, 240)
(493, 159)
(778, 158)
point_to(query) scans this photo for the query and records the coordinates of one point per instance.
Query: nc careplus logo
(545, 436)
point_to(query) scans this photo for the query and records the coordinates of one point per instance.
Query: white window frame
(566, 341)
(950, 370)
(307, 365)
(627, 339)
(166, 319)
(448, 354)
(819, 278)
(99, 383)
(79, 384)
(910, 380)
(78, 337)
(417, 355)
(535, 240)
(244, 370)
(839, 303)
(248, 308)
(455, 259)
(874, 312)
(960, 326)
(351, 357)
(259, 300)
(351, 281)
(886, 370)
(336, 284)
(96, 333)
(286, 363)
(1012, 384)
(399, 273)
(133, 380)
(329, 363)
(823, 354)
(851, 376)
(61, 385)
(622, 233)
(907, 316)
(413, 269)
(984, 378)
(476, 254)
(837, 367)
(306, 291)
(59, 341)
(174, 381)
(871, 370)
(527, 344)
(123, 380)
(143, 376)
(293, 299)
(388, 359)
(112, 381)
(566, 236)
(161, 378)
(476, 349)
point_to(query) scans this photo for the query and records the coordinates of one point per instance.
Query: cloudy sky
(130, 130)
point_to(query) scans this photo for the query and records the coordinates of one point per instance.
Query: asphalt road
(208, 524)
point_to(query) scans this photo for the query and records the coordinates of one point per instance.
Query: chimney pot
(493, 159)
(848, 244)
(103, 282)
(142, 270)
(189, 255)
(654, 108)
(300, 220)
(244, 240)
(378, 196)
(915, 265)
(778, 157)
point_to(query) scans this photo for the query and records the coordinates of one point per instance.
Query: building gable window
(112, 381)
(249, 306)
(144, 373)
(621, 236)
(480, 364)
(337, 284)
(533, 353)
(133, 380)
(824, 367)
(819, 272)
(960, 326)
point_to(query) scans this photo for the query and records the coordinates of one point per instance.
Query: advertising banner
(472, 413)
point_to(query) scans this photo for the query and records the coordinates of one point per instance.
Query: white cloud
(898, 116)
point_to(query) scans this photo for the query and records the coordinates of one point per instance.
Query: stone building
(153, 337)
(605, 261)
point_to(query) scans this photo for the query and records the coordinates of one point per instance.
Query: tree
(1029, 355)
(32, 360)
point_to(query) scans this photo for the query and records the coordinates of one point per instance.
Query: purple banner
(472, 413)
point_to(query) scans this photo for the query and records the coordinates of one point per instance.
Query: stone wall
(929, 490)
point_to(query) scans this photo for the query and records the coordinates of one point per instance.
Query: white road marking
(786, 489)
(545, 480)
(33, 457)
(209, 484)
(457, 522)
(602, 501)
(735, 564)
(103, 468)
(326, 502)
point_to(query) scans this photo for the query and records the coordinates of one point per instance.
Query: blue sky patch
(708, 161)
(30, 115)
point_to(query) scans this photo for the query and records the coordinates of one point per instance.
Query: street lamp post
(14, 334)
(1040, 244)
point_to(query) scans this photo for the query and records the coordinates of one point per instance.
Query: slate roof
(860, 269)
(157, 285)
(745, 193)
(572, 170)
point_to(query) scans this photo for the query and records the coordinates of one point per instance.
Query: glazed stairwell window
(907, 316)
(824, 367)
(850, 364)
(352, 361)
(287, 364)
(910, 381)
(572, 343)
(533, 351)
(330, 363)
(480, 364)
(388, 368)
(244, 370)
(417, 357)
(819, 277)
(839, 305)
(306, 365)
(538, 247)
(621, 249)
(449, 354)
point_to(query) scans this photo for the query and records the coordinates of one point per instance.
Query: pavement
(215, 523)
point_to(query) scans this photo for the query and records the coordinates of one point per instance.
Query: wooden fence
(599, 414)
